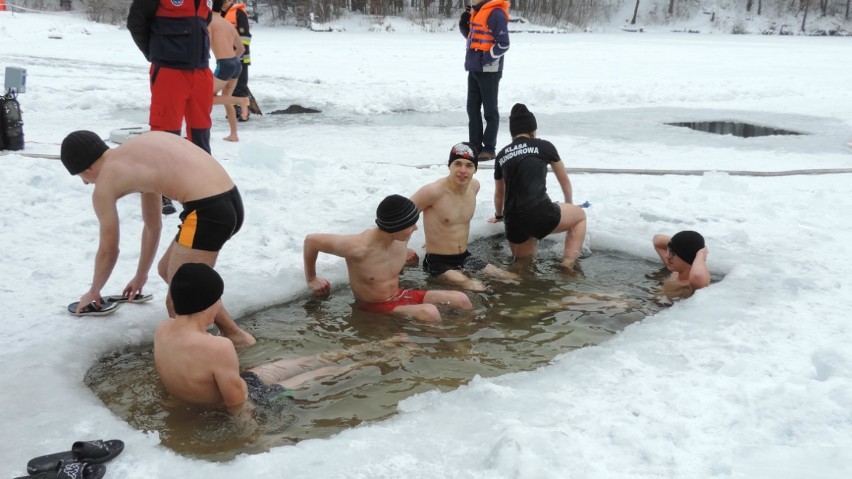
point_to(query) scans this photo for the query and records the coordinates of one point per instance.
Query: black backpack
(11, 123)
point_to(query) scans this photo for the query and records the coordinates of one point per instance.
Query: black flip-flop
(92, 310)
(120, 298)
(72, 470)
(88, 452)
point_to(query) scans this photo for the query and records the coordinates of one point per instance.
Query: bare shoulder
(474, 183)
(428, 194)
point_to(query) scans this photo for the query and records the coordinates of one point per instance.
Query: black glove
(465, 17)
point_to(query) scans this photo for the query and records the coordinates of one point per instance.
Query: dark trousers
(242, 82)
(482, 90)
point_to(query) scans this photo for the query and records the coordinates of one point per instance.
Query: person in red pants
(173, 37)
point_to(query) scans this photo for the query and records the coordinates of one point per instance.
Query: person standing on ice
(227, 48)
(157, 164)
(685, 255)
(235, 13)
(485, 25)
(520, 192)
(173, 37)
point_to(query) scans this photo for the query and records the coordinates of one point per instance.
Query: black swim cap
(686, 245)
(396, 213)
(464, 150)
(80, 150)
(195, 287)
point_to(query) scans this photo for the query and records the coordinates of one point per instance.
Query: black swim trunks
(538, 222)
(261, 393)
(228, 69)
(438, 264)
(209, 222)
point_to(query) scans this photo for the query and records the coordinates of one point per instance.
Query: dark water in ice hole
(740, 129)
(512, 328)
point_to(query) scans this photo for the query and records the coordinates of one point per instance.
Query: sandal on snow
(92, 310)
(89, 452)
(120, 298)
(72, 470)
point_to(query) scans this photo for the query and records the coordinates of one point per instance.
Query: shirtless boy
(685, 255)
(227, 48)
(157, 164)
(203, 369)
(520, 192)
(374, 259)
(448, 205)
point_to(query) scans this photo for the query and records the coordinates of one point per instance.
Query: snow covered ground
(749, 378)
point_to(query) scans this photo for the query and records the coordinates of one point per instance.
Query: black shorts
(206, 224)
(538, 223)
(228, 69)
(261, 393)
(438, 264)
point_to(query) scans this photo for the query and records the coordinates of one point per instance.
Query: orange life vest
(231, 14)
(480, 37)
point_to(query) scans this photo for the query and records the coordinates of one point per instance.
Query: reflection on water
(514, 327)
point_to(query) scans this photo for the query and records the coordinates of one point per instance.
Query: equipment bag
(11, 123)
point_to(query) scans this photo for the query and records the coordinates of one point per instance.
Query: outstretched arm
(338, 245)
(153, 225)
(564, 182)
(499, 197)
(699, 275)
(107, 254)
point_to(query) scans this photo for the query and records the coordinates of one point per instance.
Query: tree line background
(570, 13)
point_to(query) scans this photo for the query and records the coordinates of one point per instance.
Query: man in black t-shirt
(520, 194)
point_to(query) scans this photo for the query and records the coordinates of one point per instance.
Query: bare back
(446, 215)
(189, 362)
(161, 163)
(374, 266)
(224, 38)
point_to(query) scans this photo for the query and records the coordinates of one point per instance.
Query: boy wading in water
(448, 205)
(685, 255)
(203, 369)
(374, 260)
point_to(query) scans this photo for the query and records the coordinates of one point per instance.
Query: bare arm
(426, 196)
(564, 182)
(338, 245)
(499, 197)
(661, 244)
(227, 374)
(153, 225)
(107, 254)
(239, 48)
(699, 275)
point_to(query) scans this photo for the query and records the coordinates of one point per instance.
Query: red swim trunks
(404, 297)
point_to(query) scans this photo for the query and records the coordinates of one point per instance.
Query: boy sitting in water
(685, 255)
(203, 369)
(448, 205)
(374, 259)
